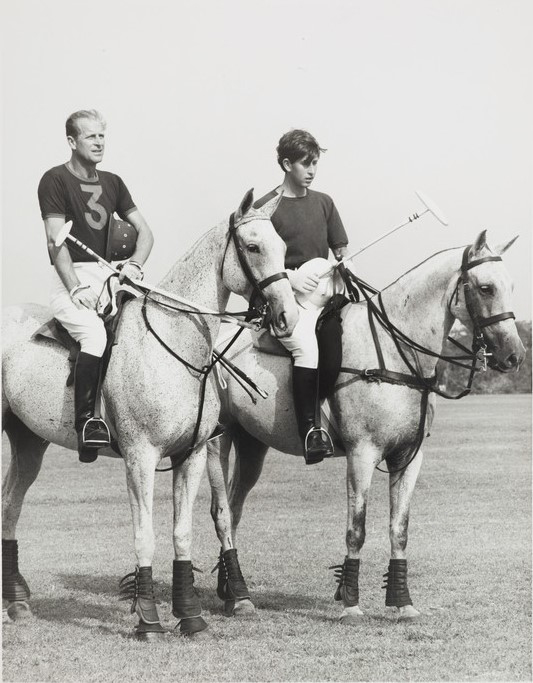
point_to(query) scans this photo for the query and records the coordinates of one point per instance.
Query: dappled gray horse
(152, 398)
(377, 420)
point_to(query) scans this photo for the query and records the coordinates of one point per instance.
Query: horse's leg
(401, 487)
(27, 450)
(138, 586)
(361, 463)
(249, 459)
(186, 606)
(231, 586)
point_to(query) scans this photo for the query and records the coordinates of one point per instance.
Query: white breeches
(302, 344)
(84, 325)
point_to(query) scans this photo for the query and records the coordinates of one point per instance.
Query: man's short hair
(297, 145)
(72, 127)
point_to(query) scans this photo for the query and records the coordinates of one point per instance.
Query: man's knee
(87, 329)
(93, 341)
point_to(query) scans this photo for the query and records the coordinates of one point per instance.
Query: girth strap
(390, 376)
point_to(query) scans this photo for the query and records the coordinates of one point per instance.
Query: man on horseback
(310, 225)
(76, 192)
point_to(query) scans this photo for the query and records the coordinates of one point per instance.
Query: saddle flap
(267, 343)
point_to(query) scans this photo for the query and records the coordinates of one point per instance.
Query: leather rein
(251, 313)
(415, 379)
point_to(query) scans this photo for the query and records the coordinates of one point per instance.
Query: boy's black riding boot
(317, 443)
(92, 432)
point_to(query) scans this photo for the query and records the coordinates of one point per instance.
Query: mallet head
(432, 207)
(63, 234)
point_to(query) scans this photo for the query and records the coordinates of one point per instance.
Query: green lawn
(469, 568)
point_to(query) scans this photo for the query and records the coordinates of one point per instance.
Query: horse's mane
(437, 253)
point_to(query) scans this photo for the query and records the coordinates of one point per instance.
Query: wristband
(76, 289)
(136, 265)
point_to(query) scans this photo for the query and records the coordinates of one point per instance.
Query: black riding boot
(93, 433)
(317, 442)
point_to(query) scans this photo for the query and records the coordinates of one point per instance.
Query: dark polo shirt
(308, 225)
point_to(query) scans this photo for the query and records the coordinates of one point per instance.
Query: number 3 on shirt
(95, 191)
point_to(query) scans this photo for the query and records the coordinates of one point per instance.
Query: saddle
(329, 336)
(55, 331)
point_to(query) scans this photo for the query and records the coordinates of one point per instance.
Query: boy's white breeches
(84, 325)
(302, 343)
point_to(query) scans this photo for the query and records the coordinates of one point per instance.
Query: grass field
(469, 568)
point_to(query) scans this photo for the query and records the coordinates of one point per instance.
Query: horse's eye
(253, 248)
(488, 290)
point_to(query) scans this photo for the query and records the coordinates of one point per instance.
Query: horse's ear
(503, 247)
(245, 205)
(272, 204)
(480, 242)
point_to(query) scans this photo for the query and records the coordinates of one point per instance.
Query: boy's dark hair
(297, 145)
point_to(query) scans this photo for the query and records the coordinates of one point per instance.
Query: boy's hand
(305, 283)
(340, 253)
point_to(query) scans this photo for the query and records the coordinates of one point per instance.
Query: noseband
(257, 287)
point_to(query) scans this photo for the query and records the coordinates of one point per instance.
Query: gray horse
(152, 399)
(379, 420)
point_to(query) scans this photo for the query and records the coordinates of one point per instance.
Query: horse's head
(254, 263)
(483, 303)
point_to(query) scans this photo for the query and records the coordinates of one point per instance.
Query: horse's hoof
(192, 625)
(351, 615)
(150, 636)
(149, 632)
(408, 613)
(19, 610)
(242, 609)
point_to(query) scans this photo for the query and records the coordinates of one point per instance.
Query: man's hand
(305, 283)
(84, 298)
(131, 270)
(340, 253)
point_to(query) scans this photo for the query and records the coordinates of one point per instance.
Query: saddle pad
(267, 343)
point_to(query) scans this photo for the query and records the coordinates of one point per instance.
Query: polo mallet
(64, 234)
(431, 207)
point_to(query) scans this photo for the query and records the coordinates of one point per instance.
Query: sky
(430, 95)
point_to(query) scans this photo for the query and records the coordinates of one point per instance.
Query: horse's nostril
(282, 322)
(512, 360)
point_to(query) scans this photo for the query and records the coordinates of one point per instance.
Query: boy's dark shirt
(308, 225)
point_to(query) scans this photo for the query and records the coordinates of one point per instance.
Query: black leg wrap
(231, 584)
(138, 587)
(347, 576)
(185, 600)
(14, 586)
(397, 594)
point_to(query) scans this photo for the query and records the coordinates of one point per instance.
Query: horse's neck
(197, 275)
(417, 303)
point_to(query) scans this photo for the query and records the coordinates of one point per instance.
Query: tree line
(453, 378)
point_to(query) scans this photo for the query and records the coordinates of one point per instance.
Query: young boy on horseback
(310, 225)
(77, 192)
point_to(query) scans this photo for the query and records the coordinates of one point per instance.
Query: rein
(377, 313)
(251, 313)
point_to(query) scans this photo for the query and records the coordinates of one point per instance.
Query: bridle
(257, 286)
(479, 344)
(252, 313)
(377, 313)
